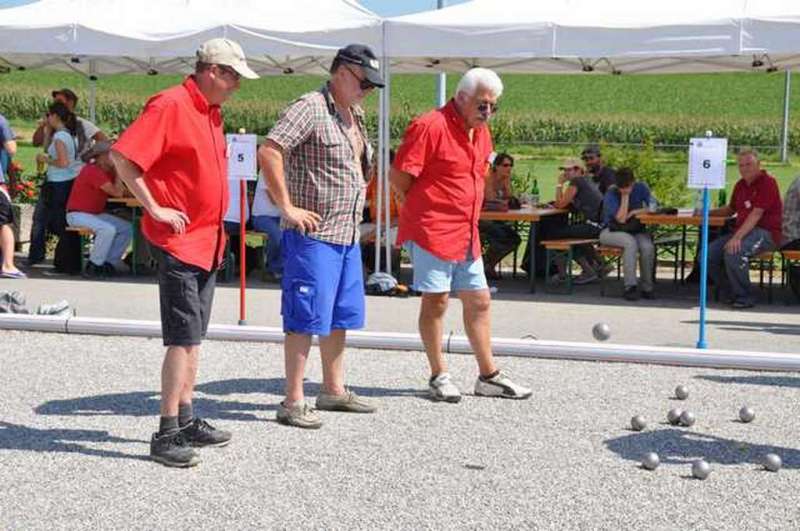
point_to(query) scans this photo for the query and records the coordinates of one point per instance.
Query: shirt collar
(451, 113)
(331, 104)
(199, 100)
(759, 177)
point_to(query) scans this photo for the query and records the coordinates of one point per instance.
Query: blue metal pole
(701, 341)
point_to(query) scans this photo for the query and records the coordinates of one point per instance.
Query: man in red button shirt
(440, 169)
(756, 201)
(173, 158)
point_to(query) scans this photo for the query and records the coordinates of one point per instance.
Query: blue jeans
(271, 226)
(737, 265)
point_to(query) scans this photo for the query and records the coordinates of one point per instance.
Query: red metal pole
(242, 246)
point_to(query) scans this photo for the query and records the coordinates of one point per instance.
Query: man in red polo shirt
(756, 201)
(173, 158)
(440, 169)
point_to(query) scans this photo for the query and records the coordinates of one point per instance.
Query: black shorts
(186, 293)
(6, 212)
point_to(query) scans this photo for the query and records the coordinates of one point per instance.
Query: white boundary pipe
(561, 350)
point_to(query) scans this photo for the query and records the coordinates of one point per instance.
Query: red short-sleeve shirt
(442, 208)
(762, 193)
(179, 145)
(86, 195)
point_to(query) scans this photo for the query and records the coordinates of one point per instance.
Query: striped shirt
(325, 168)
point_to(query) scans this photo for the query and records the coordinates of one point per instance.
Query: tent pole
(92, 92)
(387, 143)
(441, 83)
(787, 88)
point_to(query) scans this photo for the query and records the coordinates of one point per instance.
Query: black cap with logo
(362, 55)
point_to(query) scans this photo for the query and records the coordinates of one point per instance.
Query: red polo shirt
(179, 145)
(442, 208)
(86, 195)
(761, 193)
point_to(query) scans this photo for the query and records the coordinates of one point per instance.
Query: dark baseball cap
(67, 93)
(362, 55)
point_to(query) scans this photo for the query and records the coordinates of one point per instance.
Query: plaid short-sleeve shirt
(320, 165)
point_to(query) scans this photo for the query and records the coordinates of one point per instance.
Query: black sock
(168, 426)
(185, 414)
(489, 376)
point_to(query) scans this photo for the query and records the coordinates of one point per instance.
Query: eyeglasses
(487, 107)
(230, 72)
(507, 165)
(363, 83)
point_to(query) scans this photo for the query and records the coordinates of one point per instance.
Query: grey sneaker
(172, 450)
(300, 415)
(443, 389)
(501, 386)
(586, 277)
(348, 402)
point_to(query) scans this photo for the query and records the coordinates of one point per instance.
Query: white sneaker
(443, 389)
(502, 386)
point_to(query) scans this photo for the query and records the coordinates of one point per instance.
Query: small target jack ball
(650, 461)
(772, 462)
(638, 423)
(601, 331)
(701, 469)
(681, 392)
(746, 414)
(674, 416)
(687, 419)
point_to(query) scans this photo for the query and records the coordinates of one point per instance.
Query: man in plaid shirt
(316, 162)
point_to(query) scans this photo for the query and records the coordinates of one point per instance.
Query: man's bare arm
(401, 181)
(270, 158)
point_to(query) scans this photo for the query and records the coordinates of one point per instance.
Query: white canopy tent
(617, 36)
(155, 36)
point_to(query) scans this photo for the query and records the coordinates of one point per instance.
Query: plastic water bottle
(698, 204)
(535, 193)
(722, 198)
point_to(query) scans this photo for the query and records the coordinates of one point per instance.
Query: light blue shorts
(434, 275)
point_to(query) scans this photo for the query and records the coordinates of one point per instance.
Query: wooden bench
(562, 248)
(609, 255)
(86, 235)
(765, 262)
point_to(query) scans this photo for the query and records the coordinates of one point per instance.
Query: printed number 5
(706, 164)
(240, 157)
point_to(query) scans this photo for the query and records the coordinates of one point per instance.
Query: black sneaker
(172, 450)
(93, 270)
(108, 269)
(631, 294)
(649, 295)
(199, 433)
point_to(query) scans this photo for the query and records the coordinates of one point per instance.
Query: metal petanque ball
(701, 469)
(674, 416)
(601, 331)
(746, 414)
(638, 423)
(681, 392)
(650, 461)
(772, 462)
(687, 419)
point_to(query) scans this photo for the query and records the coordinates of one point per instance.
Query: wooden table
(526, 214)
(682, 220)
(134, 204)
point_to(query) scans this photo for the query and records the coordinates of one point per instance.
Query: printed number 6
(706, 164)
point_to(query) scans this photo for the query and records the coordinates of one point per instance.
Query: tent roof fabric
(109, 36)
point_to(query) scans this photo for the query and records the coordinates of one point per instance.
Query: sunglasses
(363, 83)
(507, 165)
(230, 72)
(487, 107)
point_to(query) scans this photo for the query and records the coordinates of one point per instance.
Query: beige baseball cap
(571, 163)
(225, 52)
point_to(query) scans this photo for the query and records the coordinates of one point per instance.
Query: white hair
(480, 77)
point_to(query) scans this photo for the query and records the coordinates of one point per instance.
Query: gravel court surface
(77, 413)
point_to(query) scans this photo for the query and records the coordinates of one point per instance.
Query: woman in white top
(267, 219)
(50, 214)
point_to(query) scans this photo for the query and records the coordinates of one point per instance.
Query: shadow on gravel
(146, 404)
(775, 381)
(275, 386)
(783, 329)
(19, 437)
(675, 446)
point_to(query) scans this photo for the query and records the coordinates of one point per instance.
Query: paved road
(77, 412)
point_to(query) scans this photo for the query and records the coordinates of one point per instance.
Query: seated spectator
(63, 166)
(602, 175)
(622, 203)
(8, 148)
(581, 196)
(267, 219)
(85, 208)
(756, 201)
(499, 237)
(85, 131)
(371, 214)
(791, 231)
